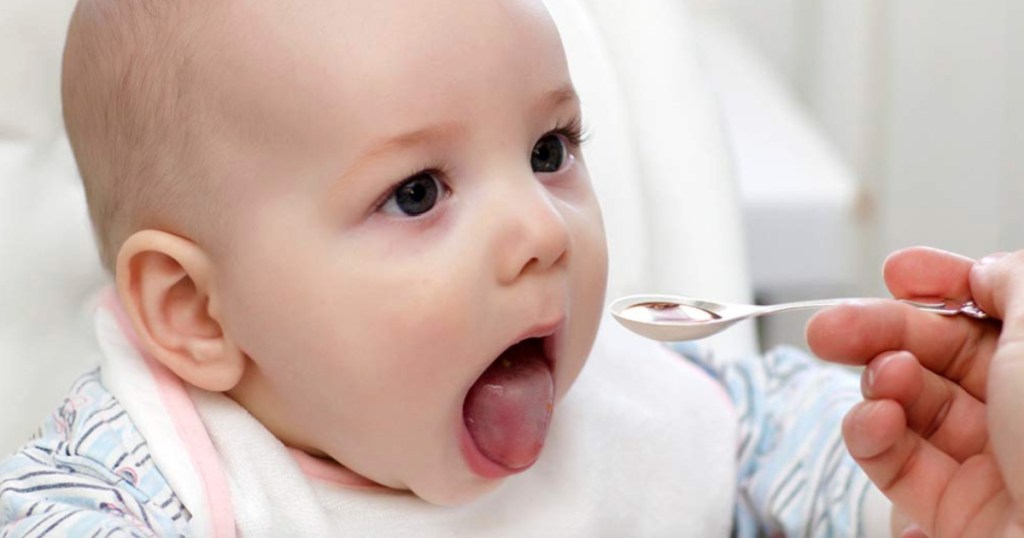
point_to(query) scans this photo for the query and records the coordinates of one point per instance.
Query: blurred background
(864, 126)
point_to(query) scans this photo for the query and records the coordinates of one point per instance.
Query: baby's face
(408, 202)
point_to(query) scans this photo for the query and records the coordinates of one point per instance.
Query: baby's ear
(165, 286)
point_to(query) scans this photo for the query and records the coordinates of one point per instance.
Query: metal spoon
(670, 318)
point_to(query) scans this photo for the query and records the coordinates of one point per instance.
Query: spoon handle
(946, 308)
(804, 305)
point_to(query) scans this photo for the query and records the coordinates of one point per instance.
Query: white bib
(644, 444)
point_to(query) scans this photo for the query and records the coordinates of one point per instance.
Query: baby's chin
(443, 480)
(457, 487)
(455, 480)
(462, 477)
(454, 492)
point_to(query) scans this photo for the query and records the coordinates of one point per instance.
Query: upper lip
(544, 330)
(541, 330)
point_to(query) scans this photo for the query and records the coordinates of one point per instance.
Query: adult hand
(939, 431)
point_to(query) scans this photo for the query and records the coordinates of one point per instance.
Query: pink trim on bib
(331, 471)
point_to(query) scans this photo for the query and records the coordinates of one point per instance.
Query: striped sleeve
(87, 472)
(795, 477)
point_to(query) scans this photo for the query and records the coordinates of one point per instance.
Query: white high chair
(656, 155)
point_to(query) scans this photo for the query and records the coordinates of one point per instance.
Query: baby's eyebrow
(544, 105)
(549, 101)
(554, 99)
(415, 138)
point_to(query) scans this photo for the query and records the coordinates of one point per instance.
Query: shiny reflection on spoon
(655, 312)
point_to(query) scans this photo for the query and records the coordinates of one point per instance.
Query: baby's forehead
(307, 76)
(391, 64)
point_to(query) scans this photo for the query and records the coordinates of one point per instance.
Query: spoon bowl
(669, 318)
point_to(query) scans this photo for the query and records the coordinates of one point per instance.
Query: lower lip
(481, 465)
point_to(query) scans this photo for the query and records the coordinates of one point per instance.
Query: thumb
(997, 285)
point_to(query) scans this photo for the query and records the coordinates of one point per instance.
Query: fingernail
(992, 258)
(872, 371)
(878, 364)
(863, 412)
(913, 531)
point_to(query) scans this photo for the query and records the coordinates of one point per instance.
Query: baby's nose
(532, 234)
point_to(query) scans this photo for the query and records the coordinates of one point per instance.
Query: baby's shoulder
(89, 449)
(90, 423)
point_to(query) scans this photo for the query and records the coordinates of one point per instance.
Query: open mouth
(508, 409)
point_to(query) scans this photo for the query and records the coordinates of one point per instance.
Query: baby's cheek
(425, 315)
(589, 275)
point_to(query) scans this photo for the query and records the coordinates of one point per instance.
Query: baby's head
(344, 215)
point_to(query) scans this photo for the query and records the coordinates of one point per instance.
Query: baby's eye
(549, 154)
(415, 196)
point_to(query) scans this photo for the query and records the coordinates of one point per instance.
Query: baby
(358, 264)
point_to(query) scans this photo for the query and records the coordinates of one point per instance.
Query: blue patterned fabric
(87, 472)
(795, 476)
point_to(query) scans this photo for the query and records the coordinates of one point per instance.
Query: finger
(910, 471)
(938, 410)
(952, 346)
(998, 287)
(858, 331)
(1006, 399)
(927, 272)
(975, 503)
(991, 516)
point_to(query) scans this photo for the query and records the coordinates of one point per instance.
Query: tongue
(508, 409)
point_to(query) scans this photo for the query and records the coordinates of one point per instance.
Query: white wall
(925, 98)
(947, 101)
(1012, 225)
